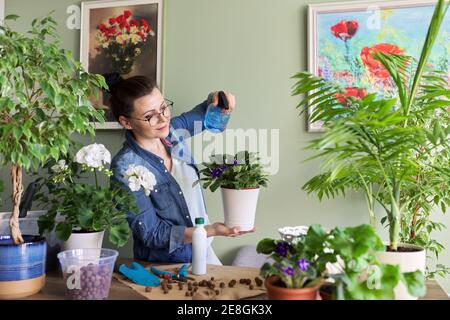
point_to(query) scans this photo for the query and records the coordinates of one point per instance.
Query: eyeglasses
(153, 118)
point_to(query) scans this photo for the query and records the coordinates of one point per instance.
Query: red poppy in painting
(358, 93)
(127, 14)
(345, 30)
(374, 66)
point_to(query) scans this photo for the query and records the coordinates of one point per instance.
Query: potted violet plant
(240, 178)
(81, 212)
(297, 269)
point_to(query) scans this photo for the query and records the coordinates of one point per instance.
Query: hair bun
(113, 80)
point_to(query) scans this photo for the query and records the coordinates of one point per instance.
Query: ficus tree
(43, 100)
(396, 149)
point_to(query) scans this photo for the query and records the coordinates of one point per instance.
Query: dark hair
(123, 92)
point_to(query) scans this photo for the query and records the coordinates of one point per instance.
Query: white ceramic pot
(240, 207)
(408, 262)
(89, 240)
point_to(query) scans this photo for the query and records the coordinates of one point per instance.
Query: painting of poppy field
(346, 40)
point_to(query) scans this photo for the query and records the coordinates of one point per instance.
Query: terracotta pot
(276, 292)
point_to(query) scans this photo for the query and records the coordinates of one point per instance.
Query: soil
(403, 249)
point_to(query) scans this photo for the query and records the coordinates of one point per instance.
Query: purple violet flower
(217, 172)
(282, 248)
(303, 264)
(289, 271)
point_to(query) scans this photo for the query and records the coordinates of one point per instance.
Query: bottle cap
(199, 221)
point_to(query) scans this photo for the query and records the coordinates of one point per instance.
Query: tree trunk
(16, 175)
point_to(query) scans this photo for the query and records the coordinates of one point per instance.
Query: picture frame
(2, 11)
(339, 49)
(124, 37)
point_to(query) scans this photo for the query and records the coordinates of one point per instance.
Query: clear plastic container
(87, 272)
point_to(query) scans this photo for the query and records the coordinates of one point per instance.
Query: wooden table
(55, 289)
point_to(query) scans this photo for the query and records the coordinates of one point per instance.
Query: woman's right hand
(220, 229)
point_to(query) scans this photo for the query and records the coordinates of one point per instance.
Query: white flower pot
(89, 240)
(408, 262)
(240, 207)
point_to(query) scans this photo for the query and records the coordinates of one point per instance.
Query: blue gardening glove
(139, 275)
(182, 272)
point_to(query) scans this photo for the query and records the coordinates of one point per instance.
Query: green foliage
(396, 149)
(301, 264)
(75, 205)
(43, 96)
(363, 277)
(355, 249)
(240, 171)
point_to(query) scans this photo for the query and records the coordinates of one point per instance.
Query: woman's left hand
(230, 98)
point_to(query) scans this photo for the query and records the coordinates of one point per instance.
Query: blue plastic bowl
(22, 262)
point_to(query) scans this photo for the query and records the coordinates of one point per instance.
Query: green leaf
(12, 17)
(86, 218)
(266, 246)
(415, 283)
(63, 230)
(119, 234)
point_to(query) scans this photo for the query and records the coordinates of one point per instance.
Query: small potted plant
(43, 101)
(298, 268)
(81, 212)
(240, 178)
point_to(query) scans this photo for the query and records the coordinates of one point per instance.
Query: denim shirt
(158, 228)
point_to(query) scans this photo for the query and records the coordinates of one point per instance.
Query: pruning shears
(181, 275)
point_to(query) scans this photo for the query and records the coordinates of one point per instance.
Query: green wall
(251, 48)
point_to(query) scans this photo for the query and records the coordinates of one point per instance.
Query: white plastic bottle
(199, 243)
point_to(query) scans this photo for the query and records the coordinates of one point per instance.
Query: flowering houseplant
(239, 171)
(302, 263)
(239, 177)
(43, 101)
(121, 40)
(299, 264)
(85, 207)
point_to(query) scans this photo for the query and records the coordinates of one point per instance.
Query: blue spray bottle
(216, 118)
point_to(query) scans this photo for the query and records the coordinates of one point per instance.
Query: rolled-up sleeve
(151, 230)
(192, 121)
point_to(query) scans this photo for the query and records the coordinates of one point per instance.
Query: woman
(162, 229)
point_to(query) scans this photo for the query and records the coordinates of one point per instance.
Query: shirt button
(180, 192)
(140, 223)
(156, 190)
(162, 161)
(165, 171)
(187, 217)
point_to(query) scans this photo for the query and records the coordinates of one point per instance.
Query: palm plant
(394, 148)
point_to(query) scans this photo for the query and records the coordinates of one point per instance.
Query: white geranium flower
(60, 166)
(140, 176)
(94, 155)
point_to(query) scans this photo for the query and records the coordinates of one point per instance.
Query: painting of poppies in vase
(343, 37)
(121, 37)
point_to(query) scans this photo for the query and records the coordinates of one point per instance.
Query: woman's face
(149, 107)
